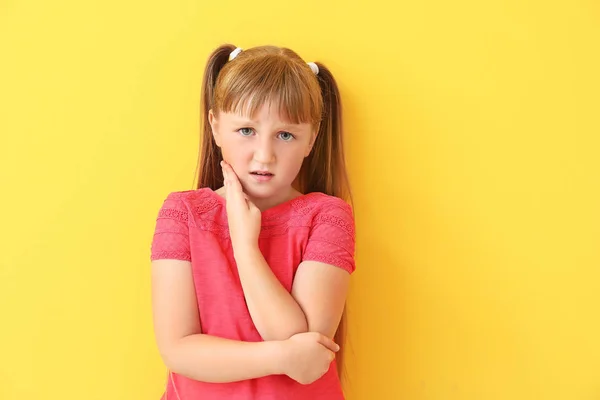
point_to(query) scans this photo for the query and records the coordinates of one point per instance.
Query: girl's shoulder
(320, 208)
(197, 201)
(317, 202)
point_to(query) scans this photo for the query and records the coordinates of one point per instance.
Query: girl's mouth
(262, 176)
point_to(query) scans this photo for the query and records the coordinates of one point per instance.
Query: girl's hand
(308, 356)
(242, 215)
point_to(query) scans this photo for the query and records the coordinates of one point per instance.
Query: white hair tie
(314, 67)
(235, 53)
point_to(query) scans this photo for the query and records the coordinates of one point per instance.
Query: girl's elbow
(169, 354)
(168, 358)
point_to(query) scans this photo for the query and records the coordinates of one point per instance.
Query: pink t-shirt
(192, 225)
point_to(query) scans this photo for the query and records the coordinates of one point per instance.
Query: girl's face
(266, 152)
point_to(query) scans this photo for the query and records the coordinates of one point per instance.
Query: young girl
(250, 271)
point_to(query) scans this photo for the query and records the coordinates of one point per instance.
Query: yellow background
(472, 134)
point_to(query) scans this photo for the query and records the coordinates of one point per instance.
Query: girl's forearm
(214, 359)
(275, 313)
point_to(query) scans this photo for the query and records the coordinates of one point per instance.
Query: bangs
(246, 87)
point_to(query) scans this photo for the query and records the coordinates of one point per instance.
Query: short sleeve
(171, 235)
(332, 237)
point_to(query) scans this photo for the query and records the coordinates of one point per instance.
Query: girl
(250, 271)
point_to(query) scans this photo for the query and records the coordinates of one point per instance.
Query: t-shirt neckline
(296, 201)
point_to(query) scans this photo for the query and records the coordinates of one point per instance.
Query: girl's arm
(320, 286)
(213, 359)
(315, 304)
(184, 349)
(275, 313)
(188, 352)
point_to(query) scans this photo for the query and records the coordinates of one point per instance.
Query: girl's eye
(245, 131)
(286, 136)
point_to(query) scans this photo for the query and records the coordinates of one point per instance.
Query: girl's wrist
(278, 354)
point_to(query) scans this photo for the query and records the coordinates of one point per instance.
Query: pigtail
(324, 170)
(210, 155)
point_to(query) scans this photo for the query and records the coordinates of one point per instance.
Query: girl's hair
(279, 76)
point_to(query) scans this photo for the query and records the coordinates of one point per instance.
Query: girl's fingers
(232, 183)
(329, 343)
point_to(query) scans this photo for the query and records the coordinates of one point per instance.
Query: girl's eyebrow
(290, 125)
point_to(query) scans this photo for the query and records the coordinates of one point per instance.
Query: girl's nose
(263, 153)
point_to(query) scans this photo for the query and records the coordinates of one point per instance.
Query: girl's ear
(212, 120)
(313, 137)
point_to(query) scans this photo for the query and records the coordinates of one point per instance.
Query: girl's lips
(261, 178)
